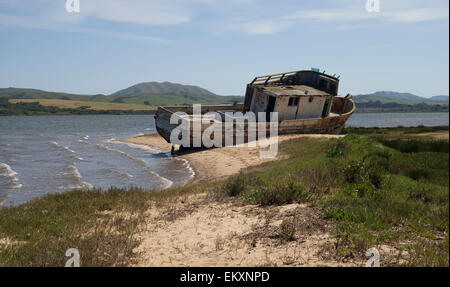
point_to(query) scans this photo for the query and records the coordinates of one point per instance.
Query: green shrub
(337, 150)
(235, 185)
(354, 171)
(278, 193)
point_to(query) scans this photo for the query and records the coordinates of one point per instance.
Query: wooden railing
(264, 80)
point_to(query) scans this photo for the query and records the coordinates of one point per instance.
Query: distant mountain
(399, 98)
(440, 98)
(157, 88)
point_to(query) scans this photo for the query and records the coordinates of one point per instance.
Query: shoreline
(218, 163)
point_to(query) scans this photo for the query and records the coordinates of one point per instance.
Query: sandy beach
(199, 231)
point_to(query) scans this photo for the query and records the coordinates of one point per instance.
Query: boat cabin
(294, 95)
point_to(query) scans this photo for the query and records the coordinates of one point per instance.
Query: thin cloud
(263, 27)
(405, 16)
(37, 23)
(418, 15)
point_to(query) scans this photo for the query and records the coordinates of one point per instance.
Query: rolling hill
(156, 88)
(149, 94)
(18, 93)
(399, 98)
(146, 95)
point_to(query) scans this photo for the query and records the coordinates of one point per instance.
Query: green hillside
(17, 93)
(152, 94)
(385, 97)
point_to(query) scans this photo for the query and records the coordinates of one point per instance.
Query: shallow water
(49, 154)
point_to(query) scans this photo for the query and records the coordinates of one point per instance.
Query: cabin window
(322, 84)
(293, 101)
(310, 99)
(333, 88)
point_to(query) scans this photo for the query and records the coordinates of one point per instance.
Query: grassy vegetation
(396, 131)
(377, 191)
(34, 108)
(101, 224)
(98, 106)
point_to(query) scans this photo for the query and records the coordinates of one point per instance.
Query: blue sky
(222, 44)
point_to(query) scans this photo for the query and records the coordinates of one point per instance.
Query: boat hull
(341, 111)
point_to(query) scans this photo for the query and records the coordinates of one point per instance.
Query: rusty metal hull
(341, 111)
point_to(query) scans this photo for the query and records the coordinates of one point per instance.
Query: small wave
(62, 147)
(83, 142)
(166, 183)
(157, 150)
(14, 185)
(73, 170)
(188, 166)
(150, 149)
(124, 154)
(6, 170)
(11, 175)
(111, 140)
(123, 175)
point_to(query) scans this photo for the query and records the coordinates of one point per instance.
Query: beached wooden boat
(306, 102)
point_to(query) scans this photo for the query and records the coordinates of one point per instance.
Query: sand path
(215, 233)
